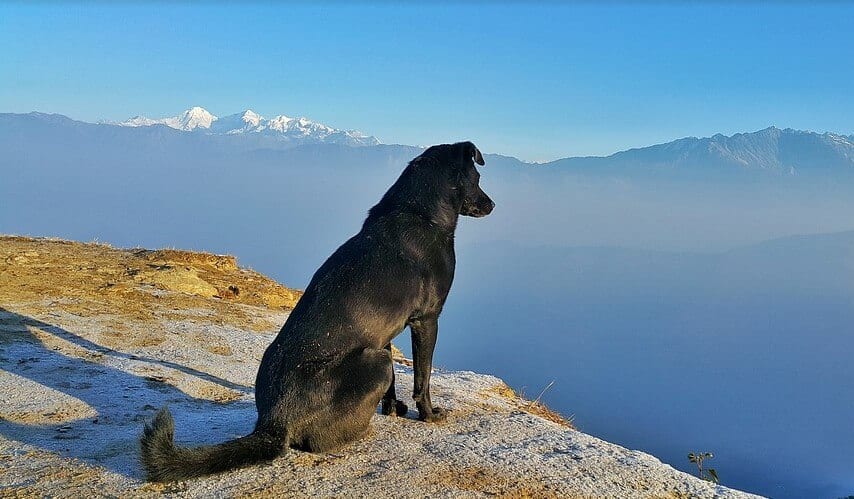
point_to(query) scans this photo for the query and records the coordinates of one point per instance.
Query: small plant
(706, 474)
(537, 400)
(537, 408)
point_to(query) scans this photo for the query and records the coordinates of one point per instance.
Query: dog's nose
(489, 207)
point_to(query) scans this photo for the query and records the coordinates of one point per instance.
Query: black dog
(321, 379)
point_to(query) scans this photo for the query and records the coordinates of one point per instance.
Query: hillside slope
(93, 340)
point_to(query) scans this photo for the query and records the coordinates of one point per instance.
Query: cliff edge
(94, 340)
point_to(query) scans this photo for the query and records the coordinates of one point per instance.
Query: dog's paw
(400, 408)
(394, 407)
(437, 415)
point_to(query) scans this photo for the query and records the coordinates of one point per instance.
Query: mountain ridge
(779, 152)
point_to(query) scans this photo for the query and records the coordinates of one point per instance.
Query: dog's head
(441, 184)
(475, 202)
(457, 164)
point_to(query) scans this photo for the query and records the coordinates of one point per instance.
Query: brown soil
(491, 483)
(95, 280)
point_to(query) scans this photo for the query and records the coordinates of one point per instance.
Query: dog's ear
(474, 153)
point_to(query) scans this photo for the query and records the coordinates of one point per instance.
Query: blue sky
(536, 82)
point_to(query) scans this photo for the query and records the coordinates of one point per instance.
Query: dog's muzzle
(482, 208)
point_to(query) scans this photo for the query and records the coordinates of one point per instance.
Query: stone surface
(80, 371)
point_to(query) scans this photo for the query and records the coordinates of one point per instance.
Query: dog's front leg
(424, 331)
(390, 402)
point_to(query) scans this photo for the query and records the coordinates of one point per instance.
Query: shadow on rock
(111, 403)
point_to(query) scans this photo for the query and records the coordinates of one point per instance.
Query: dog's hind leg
(361, 379)
(390, 403)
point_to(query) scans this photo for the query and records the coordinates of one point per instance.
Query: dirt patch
(210, 391)
(491, 483)
(66, 480)
(672, 495)
(183, 279)
(223, 350)
(60, 414)
(95, 279)
(198, 259)
(149, 340)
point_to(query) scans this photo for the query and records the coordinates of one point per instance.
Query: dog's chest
(437, 275)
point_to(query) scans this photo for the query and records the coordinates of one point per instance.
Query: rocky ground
(93, 340)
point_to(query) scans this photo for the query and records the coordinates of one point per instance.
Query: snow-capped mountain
(296, 130)
(191, 119)
(246, 121)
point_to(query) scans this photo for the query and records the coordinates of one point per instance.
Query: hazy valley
(682, 296)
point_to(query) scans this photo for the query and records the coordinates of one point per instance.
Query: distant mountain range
(292, 130)
(784, 152)
(772, 151)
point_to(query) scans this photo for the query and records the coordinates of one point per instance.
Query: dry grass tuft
(504, 391)
(534, 407)
(541, 410)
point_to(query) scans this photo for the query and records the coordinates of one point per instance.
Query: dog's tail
(163, 462)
